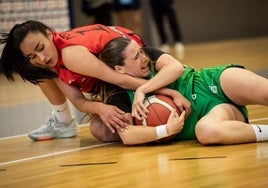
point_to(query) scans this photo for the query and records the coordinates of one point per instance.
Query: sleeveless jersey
(94, 38)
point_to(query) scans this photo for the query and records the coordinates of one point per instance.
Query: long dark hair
(107, 55)
(112, 53)
(12, 58)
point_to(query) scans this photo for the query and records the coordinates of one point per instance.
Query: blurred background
(199, 21)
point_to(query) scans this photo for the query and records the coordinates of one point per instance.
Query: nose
(41, 58)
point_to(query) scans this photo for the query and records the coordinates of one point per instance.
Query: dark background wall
(205, 20)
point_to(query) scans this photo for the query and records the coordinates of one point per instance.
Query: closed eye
(41, 48)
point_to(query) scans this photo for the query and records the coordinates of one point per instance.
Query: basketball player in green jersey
(218, 95)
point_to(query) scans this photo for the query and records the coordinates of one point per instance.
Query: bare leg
(57, 100)
(52, 92)
(224, 124)
(60, 124)
(250, 88)
(102, 133)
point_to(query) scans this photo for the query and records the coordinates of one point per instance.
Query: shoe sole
(63, 134)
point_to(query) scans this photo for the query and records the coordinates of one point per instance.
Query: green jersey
(202, 88)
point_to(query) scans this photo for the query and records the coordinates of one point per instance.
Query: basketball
(159, 107)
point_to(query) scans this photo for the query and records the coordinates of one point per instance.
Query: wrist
(174, 94)
(141, 89)
(161, 131)
(94, 107)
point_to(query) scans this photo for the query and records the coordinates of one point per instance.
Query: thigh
(220, 113)
(250, 88)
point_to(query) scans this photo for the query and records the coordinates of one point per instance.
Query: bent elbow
(180, 69)
(127, 142)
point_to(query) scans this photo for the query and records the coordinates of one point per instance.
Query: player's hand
(139, 110)
(175, 122)
(182, 104)
(113, 118)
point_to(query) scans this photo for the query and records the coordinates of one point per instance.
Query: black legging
(161, 8)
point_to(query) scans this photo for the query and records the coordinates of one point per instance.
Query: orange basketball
(159, 107)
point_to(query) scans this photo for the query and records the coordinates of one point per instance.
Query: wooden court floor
(86, 162)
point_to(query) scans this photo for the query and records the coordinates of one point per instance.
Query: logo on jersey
(214, 89)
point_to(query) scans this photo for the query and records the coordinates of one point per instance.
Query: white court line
(260, 119)
(56, 153)
(68, 151)
(21, 135)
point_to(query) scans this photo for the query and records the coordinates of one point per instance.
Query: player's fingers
(175, 113)
(119, 124)
(182, 115)
(118, 110)
(138, 113)
(110, 127)
(180, 108)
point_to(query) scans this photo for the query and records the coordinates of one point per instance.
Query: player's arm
(111, 116)
(78, 59)
(139, 134)
(180, 101)
(169, 69)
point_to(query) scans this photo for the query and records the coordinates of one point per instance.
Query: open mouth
(47, 63)
(145, 68)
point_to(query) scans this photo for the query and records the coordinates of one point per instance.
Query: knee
(207, 134)
(96, 133)
(101, 132)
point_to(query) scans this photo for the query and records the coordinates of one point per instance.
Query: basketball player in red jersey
(40, 56)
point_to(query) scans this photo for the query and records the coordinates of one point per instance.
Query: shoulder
(153, 53)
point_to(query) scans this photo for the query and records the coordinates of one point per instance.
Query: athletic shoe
(54, 129)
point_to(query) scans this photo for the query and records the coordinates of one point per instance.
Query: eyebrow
(35, 48)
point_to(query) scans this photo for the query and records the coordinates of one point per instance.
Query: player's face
(40, 49)
(136, 62)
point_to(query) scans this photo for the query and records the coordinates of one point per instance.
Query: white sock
(62, 112)
(261, 132)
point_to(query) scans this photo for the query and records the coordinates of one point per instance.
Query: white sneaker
(54, 129)
(165, 48)
(179, 50)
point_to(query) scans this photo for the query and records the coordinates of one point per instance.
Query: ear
(49, 33)
(119, 69)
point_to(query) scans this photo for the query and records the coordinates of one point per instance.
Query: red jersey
(94, 38)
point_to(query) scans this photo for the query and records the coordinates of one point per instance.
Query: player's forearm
(85, 105)
(168, 92)
(129, 82)
(164, 77)
(138, 135)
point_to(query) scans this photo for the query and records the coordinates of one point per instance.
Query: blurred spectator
(128, 14)
(99, 10)
(165, 9)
